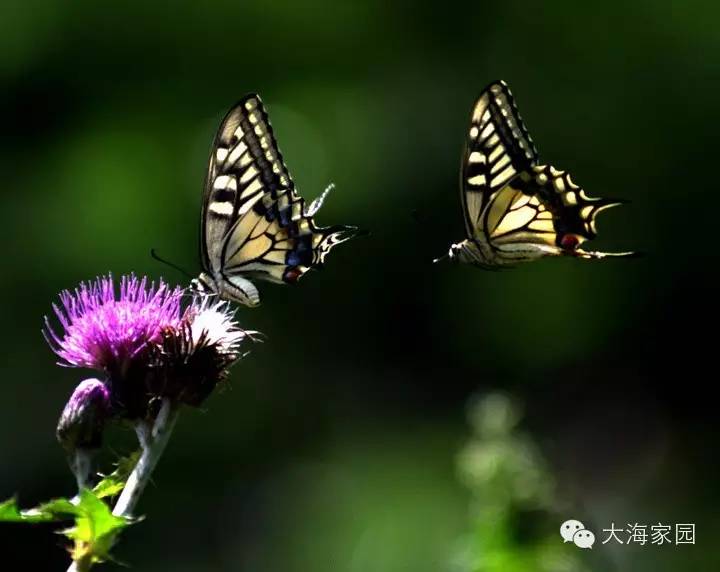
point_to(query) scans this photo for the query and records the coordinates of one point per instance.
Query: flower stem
(152, 451)
(153, 443)
(81, 465)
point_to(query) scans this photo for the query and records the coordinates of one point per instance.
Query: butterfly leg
(318, 202)
(597, 255)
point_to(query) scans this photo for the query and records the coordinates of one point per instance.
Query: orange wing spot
(569, 242)
(292, 274)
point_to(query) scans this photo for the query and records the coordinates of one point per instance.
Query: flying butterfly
(254, 224)
(514, 208)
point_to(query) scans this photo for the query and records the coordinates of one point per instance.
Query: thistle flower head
(104, 331)
(145, 343)
(213, 323)
(194, 357)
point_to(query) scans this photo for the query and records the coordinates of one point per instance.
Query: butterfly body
(254, 223)
(234, 288)
(515, 209)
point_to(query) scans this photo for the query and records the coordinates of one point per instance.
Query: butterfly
(514, 208)
(254, 225)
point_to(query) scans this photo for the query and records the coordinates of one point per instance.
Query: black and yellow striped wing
(254, 223)
(515, 209)
(498, 147)
(543, 206)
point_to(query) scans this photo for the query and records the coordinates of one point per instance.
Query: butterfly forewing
(245, 166)
(498, 147)
(520, 213)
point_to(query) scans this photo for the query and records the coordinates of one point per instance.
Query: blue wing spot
(301, 255)
(285, 216)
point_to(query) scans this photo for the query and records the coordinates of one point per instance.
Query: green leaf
(95, 530)
(9, 511)
(96, 527)
(112, 484)
(54, 510)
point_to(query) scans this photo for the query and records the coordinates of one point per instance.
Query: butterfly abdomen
(204, 284)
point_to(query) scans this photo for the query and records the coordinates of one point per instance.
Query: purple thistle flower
(146, 344)
(105, 332)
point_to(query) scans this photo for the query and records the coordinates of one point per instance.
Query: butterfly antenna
(157, 257)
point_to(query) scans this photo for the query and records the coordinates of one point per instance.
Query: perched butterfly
(254, 224)
(515, 209)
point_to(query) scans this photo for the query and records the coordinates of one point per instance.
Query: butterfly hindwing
(254, 224)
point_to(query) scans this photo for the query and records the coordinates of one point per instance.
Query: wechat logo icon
(574, 531)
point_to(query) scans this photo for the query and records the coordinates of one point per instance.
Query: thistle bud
(81, 424)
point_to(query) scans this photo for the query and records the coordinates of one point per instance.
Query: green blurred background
(339, 445)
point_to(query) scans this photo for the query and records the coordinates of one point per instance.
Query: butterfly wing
(544, 207)
(254, 224)
(515, 209)
(498, 147)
